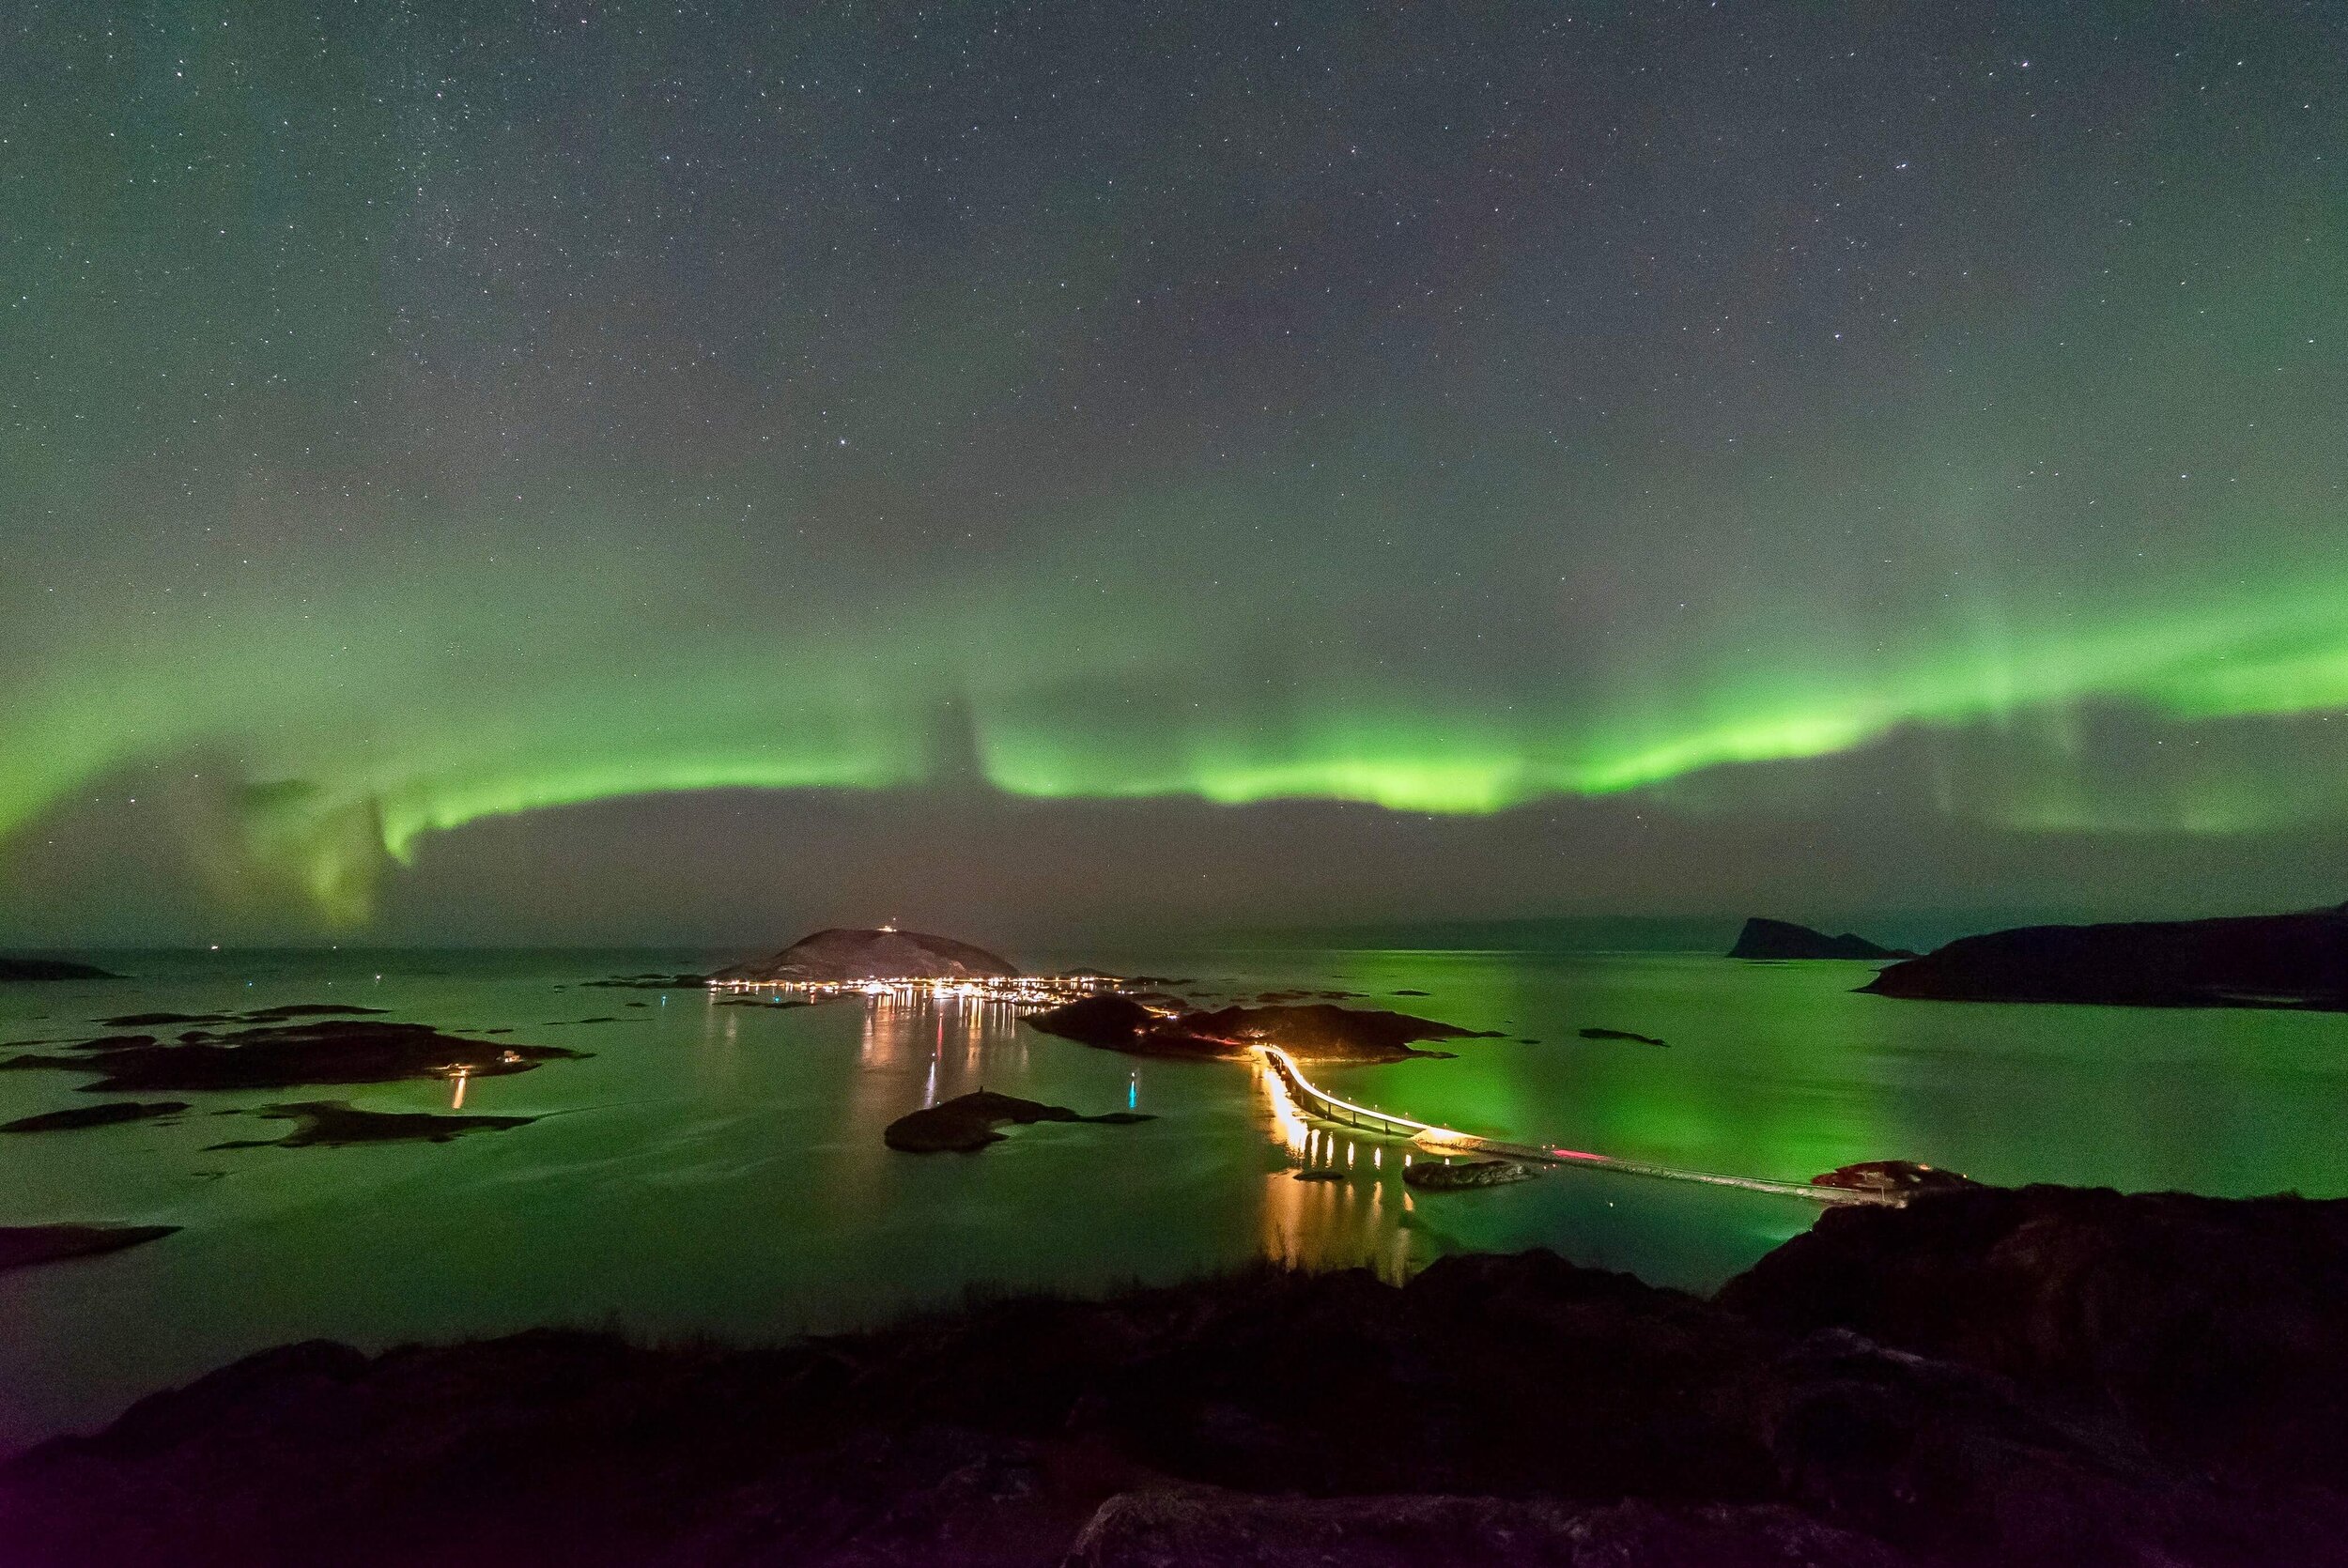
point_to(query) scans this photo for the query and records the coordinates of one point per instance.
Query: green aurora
(398, 443)
(349, 736)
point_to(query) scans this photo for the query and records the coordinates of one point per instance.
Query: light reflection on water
(718, 1169)
(1358, 1219)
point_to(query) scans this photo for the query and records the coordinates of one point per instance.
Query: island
(1435, 1175)
(1783, 939)
(333, 1124)
(883, 962)
(1313, 1032)
(51, 969)
(1631, 1035)
(839, 956)
(112, 1112)
(285, 1055)
(2251, 961)
(24, 1246)
(967, 1123)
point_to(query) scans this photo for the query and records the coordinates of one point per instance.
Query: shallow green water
(719, 1170)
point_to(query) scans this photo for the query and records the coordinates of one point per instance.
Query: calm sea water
(719, 1170)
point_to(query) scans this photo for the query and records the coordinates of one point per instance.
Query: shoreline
(1991, 1374)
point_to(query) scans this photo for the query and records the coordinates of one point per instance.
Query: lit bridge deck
(1442, 1140)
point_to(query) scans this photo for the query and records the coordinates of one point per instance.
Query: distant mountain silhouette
(887, 954)
(2250, 961)
(1783, 939)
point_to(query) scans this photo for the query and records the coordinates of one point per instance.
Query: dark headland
(836, 955)
(24, 1246)
(51, 969)
(2251, 961)
(1783, 939)
(2043, 1376)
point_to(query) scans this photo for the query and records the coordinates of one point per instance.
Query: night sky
(609, 471)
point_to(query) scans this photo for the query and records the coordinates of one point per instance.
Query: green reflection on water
(713, 1169)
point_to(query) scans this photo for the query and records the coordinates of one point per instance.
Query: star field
(438, 433)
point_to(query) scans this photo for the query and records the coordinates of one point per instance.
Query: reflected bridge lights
(1315, 1146)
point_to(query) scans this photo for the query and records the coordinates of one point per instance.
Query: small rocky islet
(967, 1122)
(336, 1124)
(24, 1246)
(1602, 1034)
(112, 1112)
(37, 970)
(1461, 1176)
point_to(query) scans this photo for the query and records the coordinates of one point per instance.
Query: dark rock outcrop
(23, 1246)
(2252, 961)
(285, 1055)
(836, 955)
(109, 1113)
(2217, 1328)
(2043, 1376)
(1110, 1022)
(1161, 1529)
(1783, 939)
(51, 969)
(1313, 1032)
(1434, 1175)
(651, 982)
(310, 1010)
(332, 1124)
(1620, 1035)
(1904, 1177)
(967, 1122)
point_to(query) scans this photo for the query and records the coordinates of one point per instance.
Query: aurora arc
(552, 725)
(418, 417)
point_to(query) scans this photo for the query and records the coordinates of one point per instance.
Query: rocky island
(23, 1246)
(1783, 939)
(111, 1113)
(839, 956)
(1312, 1032)
(335, 1124)
(967, 1122)
(51, 969)
(314, 1049)
(2252, 961)
(1631, 1035)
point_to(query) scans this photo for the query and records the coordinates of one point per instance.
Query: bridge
(1327, 1107)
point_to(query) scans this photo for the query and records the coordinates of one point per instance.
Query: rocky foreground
(2043, 1376)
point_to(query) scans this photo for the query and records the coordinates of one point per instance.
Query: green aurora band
(418, 416)
(348, 737)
